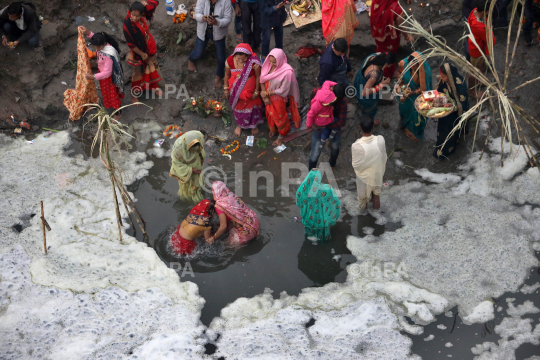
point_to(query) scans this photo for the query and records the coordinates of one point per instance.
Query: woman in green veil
(187, 164)
(319, 206)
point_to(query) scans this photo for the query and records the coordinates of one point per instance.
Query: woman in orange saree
(338, 20)
(385, 21)
(280, 86)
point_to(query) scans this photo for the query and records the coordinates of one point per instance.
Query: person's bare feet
(135, 101)
(218, 82)
(158, 92)
(254, 131)
(238, 131)
(191, 66)
(411, 136)
(278, 142)
(271, 134)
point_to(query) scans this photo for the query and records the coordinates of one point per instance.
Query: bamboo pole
(43, 224)
(110, 170)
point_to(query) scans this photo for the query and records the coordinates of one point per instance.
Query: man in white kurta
(369, 163)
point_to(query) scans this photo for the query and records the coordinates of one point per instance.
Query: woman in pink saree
(234, 216)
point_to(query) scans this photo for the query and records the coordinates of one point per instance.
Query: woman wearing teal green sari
(369, 82)
(418, 79)
(319, 206)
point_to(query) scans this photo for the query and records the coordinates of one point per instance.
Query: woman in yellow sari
(187, 164)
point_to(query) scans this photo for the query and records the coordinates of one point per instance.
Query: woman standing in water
(455, 86)
(142, 52)
(319, 206)
(187, 163)
(234, 215)
(242, 88)
(196, 224)
(417, 79)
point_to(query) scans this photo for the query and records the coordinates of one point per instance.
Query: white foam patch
(437, 178)
(276, 328)
(482, 313)
(529, 289)
(514, 332)
(429, 338)
(124, 280)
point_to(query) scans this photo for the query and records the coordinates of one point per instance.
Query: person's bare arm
(257, 70)
(226, 82)
(208, 236)
(368, 87)
(222, 226)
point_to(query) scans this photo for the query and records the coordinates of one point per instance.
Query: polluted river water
(452, 254)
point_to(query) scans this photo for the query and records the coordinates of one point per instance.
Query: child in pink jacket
(321, 110)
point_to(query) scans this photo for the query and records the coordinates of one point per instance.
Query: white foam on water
(482, 313)
(437, 178)
(429, 338)
(441, 327)
(529, 289)
(448, 344)
(91, 296)
(514, 332)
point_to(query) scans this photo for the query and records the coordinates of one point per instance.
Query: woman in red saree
(385, 18)
(242, 88)
(142, 52)
(234, 215)
(195, 225)
(338, 20)
(280, 86)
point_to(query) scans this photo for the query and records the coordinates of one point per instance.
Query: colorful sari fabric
(338, 20)
(195, 224)
(242, 85)
(184, 161)
(387, 38)
(85, 90)
(245, 223)
(112, 87)
(411, 119)
(145, 75)
(283, 82)
(370, 103)
(457, 89)
(319, 206)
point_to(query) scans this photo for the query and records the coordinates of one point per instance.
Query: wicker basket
(419, 100)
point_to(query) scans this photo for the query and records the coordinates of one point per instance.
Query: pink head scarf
(284, 73)
(229, 203)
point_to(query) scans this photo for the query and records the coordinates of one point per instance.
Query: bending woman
(242, 88)
(187, 164)
(454, 85)
(319, 206)
(386, 18)
(142, 52)
(195, 225)
(234, 215)
(369, 82)
(418, 79)
(111, 74)
(280, 87)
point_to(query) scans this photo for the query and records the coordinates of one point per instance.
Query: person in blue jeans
(273, 15)
(502, 22)
(340, 120)
(213, 18)
(20, 24)
(237, 22)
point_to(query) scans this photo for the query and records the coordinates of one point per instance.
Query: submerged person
(369, 164)
(187, 163)
(242, 88)
(453, 84)
(195, 225)
(111, 74)
(280, 88)
(418, 79)
(369, 82)
(234, 216)
(386, 19)
(142, 52)
(319, 205)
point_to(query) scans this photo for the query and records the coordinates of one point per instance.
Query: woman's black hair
(339, 91)
(14, 8)
(139, 7)
(102, 38)
(443, 69)
(211, 209)
(385, 58)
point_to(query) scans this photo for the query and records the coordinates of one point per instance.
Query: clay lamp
(218, 111)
